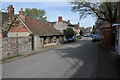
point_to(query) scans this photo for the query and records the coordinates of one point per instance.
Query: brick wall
(15, 45)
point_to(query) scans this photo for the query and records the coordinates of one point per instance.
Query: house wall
(38, 42)
(60, 26)
(15, 45)
(18, 34)
(61, 39)
(118, 40)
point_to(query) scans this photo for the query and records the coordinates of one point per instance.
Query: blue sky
(53, 10)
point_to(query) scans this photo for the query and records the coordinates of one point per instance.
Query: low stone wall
(15, 45)
(0, 48)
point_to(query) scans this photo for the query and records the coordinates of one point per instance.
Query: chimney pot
(69, 21)
(21, 12)
(60, 19)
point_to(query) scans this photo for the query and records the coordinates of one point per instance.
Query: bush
(69, 32)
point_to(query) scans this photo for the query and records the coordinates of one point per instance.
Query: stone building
(41, 32)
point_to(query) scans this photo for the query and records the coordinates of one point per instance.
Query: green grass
(11, 57)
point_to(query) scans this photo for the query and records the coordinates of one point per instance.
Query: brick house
(42, 33)
(61, 24)
(77, 29)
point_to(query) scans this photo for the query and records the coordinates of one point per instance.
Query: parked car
(71, 39)
(95, 38)
(78, 36)
(65, 40)
(85, 35)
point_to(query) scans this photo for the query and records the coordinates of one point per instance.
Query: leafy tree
(105, 11)
(81, 32)
(35, 13)
(69, 32)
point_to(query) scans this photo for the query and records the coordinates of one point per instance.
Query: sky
(53, 10)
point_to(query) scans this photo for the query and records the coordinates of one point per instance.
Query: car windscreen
(95, 36)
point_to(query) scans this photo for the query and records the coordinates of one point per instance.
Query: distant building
(88, 30)
(61, 24)
(82, 28)
(77, 29)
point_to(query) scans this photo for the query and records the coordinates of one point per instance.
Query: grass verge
(11, 57)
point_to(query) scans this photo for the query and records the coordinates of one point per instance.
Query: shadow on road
(81, 56)
(90, 61)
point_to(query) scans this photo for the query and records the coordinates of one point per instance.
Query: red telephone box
(107, 37)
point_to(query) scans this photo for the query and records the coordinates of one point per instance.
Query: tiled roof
(40, 28)
(69, 24)
(19, 28)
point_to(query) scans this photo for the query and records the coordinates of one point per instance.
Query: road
(73, 60)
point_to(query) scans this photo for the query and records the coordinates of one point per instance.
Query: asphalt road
(73, 60)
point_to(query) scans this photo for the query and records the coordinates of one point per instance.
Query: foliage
(105, 11)
(69, 32)
(35, 13)
(81, 32)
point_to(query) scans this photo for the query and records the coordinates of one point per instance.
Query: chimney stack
(21, 12)
(10, 13)
(10, 9)
(69, 21)
(59, 19)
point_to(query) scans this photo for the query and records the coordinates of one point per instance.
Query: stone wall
(37, 42)
(0, 48)
(15, 45)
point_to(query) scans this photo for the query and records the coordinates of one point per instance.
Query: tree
(35, 13)
(105, 11)
(69, 32)
(81, 32)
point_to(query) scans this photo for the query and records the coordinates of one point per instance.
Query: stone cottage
(61, 24)
(42, 33)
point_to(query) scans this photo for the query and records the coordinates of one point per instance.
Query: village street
(73, 60)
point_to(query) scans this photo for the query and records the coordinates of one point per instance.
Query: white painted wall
(37, 42)
(60, 26)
